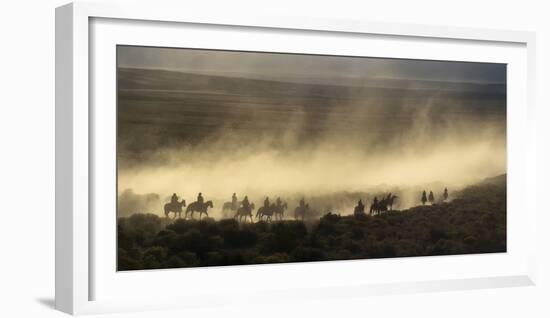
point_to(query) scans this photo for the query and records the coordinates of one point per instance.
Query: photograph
(241, 157)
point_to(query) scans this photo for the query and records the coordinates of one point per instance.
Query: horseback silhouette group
(240, 209)
(431, 198)
(244, 208)
(377, 206)
(276, 210)
(269, 211)
(176, 206)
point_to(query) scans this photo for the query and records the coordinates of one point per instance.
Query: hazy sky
(308, 67)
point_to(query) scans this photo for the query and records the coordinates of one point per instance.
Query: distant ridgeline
(474, 222)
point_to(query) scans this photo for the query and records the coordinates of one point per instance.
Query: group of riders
(176, 206)
(377, 206)
(431, 198)
(386, 203)
(244, 208)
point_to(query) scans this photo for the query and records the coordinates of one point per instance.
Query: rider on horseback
(302, 202)
(245, 203)
(360, 205)
(234, 201)
(279, 201)
(174, 199)
(200, 199)
(266, 202)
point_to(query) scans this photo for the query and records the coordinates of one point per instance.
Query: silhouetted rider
(246, 204)
(266, 202)
(234, 201)
(424, 198)
(200, 199)
(302, 202)
(360, 205)
(174, 198)
(279, 201)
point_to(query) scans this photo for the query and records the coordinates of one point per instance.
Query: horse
(198, 207)
(390, 201)
(379, 207)
(175, 207)
(280, 210)
(359, 210)
(301, 212)
(242, 211)
(266, 211)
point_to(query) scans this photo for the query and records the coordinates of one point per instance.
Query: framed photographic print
(216, 152)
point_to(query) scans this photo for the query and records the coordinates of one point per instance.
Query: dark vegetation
(475, 222)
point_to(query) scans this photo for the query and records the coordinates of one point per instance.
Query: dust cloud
(186, 133)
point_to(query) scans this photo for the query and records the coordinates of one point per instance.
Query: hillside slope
(475, 222)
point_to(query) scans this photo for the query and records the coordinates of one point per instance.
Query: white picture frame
(76, 163)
